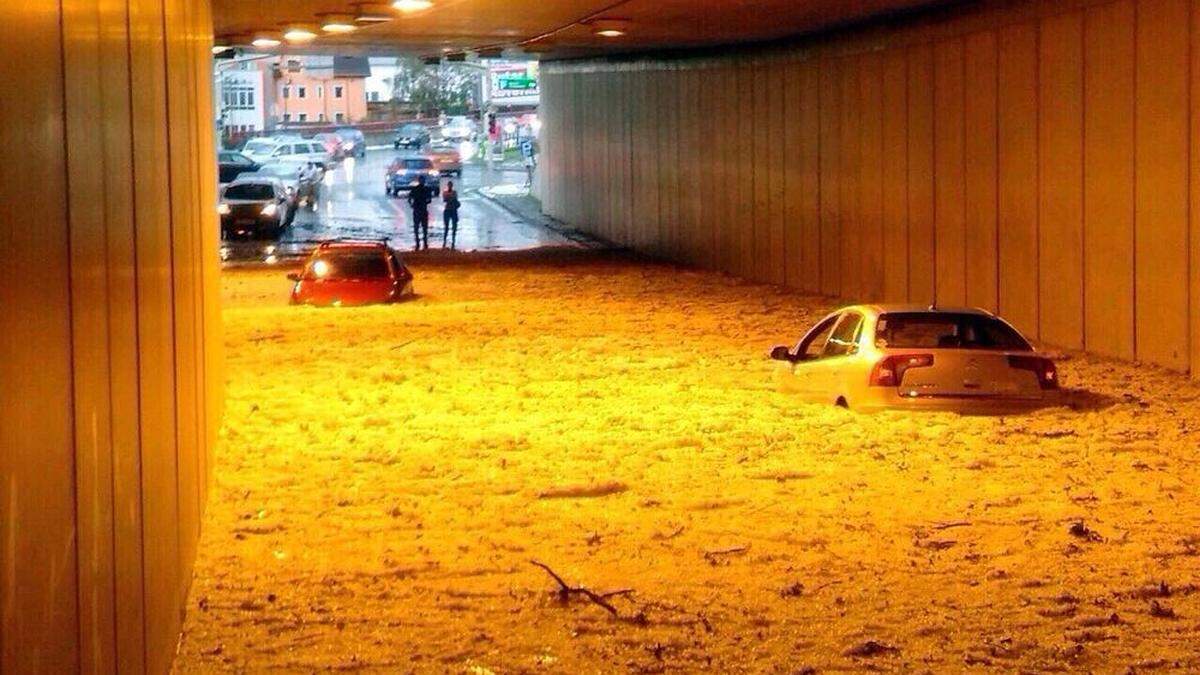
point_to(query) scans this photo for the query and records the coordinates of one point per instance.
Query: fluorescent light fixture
(338, 24)
(266, 41)
(609, 28)
(409, 6)
(299, 34)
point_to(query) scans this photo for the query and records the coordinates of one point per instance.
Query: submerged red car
(348, 273)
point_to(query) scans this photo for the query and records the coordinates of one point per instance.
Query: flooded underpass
(392, 480)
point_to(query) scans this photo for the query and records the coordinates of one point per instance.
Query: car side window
(814, 341)
(844, 337)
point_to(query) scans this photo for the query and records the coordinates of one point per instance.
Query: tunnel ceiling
(554, 27)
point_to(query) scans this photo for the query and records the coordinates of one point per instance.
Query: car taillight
(1046, 371)
(889, 371)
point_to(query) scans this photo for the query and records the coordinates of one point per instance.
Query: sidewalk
(516, 200)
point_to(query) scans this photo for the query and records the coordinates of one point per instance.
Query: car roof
(351, 245)
(911, 308)
(254, 178)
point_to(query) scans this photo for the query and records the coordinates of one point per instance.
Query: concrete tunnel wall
(110, 376)
(1041, 159)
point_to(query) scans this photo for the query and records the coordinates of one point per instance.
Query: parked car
(459, 128)
(265, 150)
(341, 273)
(255, 207)
(354, 143)
(231, 164)
(260, 149)
(918, 358)
(446, 158)
(301, 179)
(333, 145)
(411, 136)
(405, 172)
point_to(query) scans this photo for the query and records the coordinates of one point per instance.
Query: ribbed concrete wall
(109, 335)
(1039, 159)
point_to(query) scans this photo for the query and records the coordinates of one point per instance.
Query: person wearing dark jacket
(450, 206)
(419, 199)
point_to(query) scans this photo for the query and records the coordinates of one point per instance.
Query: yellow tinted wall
(109, 330)
(1031, 158)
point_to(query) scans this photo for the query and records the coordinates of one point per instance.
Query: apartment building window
(287, 117)
(374, 97)
(238, 97)
(320, 91)
(338, 91)
(320, 117)
(287, 91)
(340, 117)
(302, 117)
(301, 92)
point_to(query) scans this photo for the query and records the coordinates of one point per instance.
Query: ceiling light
(266, 41)
(609, 28)
(220, 48)
(338, 23)
(373, 13)
(299, 34)
(409, 6)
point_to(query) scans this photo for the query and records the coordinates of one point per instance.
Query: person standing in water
(450, 206)
(419, 199)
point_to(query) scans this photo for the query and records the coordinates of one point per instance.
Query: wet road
(352, 204)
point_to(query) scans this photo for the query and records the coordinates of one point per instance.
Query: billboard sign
(513, 82)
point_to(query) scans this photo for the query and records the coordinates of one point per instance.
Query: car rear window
(350, 265)
(418, 164)
(250, 191)
(282, 169)
(928, 330)
(412, 129)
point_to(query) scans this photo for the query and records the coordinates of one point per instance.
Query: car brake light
(889, 371)
(1046, 371)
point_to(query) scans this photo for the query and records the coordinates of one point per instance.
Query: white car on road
(265, 150)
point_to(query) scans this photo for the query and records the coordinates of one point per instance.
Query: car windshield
(250, 192)
(412, 130)
(348, 264)
(930, 330)
(259, 146)
(416, 164)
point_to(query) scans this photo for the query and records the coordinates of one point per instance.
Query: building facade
(241, 105)
(316, 90)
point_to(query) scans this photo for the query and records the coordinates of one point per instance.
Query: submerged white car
(869, 357)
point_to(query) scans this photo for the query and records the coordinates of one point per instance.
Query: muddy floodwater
(388, 476)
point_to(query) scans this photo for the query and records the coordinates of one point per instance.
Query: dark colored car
(350, 273)
(411, 136)
(405, 172)
(354, 144)
(231, 164)
(255, 207)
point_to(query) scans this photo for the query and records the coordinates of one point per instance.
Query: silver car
(869, 357)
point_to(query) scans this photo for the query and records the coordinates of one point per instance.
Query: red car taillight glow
(1046, 371)
(889, 371)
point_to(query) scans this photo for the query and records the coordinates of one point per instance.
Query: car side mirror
(293, 276)
(781, 353)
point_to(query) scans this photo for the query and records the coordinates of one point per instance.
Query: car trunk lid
(965, 373)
